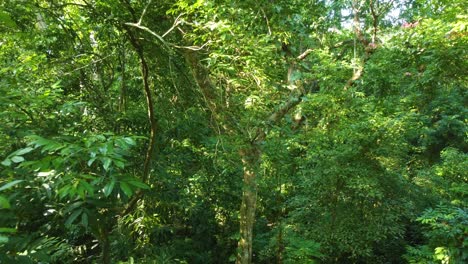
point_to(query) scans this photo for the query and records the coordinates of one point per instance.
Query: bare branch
(161, 39)
(194, 48)
(267, 21)
(304, 54)
(176, 23)
(284, 109)
(137, 25)
(356, 75)
(144, 12)
(89, 64)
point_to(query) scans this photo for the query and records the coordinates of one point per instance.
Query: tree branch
(152, 119)
(144, 12)
(304, 54)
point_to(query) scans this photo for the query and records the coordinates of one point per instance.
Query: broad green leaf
(129, 141)
(109, 187)
(119, 164)
(10, 184)
(74, 206)
(6, 162)
(81, 191)
(17, 159)
(88, 187)
(106, 162)
(138, 184)
(73, 217)
(3, 239)
(90, 162)
(7, 230)
(64, 191)
(39, 141)
(126, 189)
(84, 219)
(22, 151)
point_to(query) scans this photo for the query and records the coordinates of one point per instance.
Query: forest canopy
(233, 131)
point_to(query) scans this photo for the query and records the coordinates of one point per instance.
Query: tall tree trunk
(105, 245)
(151, 117)
(250, 154)
(250, 160)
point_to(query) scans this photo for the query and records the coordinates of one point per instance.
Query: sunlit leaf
(129, 141)
(106, 162)
(3, 239)
(22, 151)
(10, 184)
(91, 161)
(6, 162)
(17, 159)
(7, 230)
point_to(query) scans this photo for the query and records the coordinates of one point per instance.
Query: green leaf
(6, 162)
(17, 159)
(88, 187)
(10, 184)
(56, 85)
(3, 239)
(119, 164)
(22, 151)
(81, 191)
(6, 20)
(84, 219)
(4, 203)
(74, 206)
(90, 162)
(106, 162)
(73, 217)
(129, 141)
(126, 189)
(139, 184)
(7, 230)
(109, 187)
(39, 141)
(64, 191)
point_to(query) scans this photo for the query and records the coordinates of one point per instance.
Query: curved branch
(151, 116)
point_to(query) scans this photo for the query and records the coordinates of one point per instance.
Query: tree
(216, 131)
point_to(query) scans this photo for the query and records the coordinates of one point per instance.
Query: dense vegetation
(222, 131)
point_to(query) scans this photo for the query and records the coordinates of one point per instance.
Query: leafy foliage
(128, 128)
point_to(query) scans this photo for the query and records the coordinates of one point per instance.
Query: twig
(176, 23)
(267, 22)
(87, 65)
(194, 48)
(144, 12)
(137, 25)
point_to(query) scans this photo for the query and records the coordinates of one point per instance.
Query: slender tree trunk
(279, 253)
(105, 246)
(151, 117)
(250, 160)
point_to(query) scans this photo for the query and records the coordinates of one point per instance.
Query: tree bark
(250, 160)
